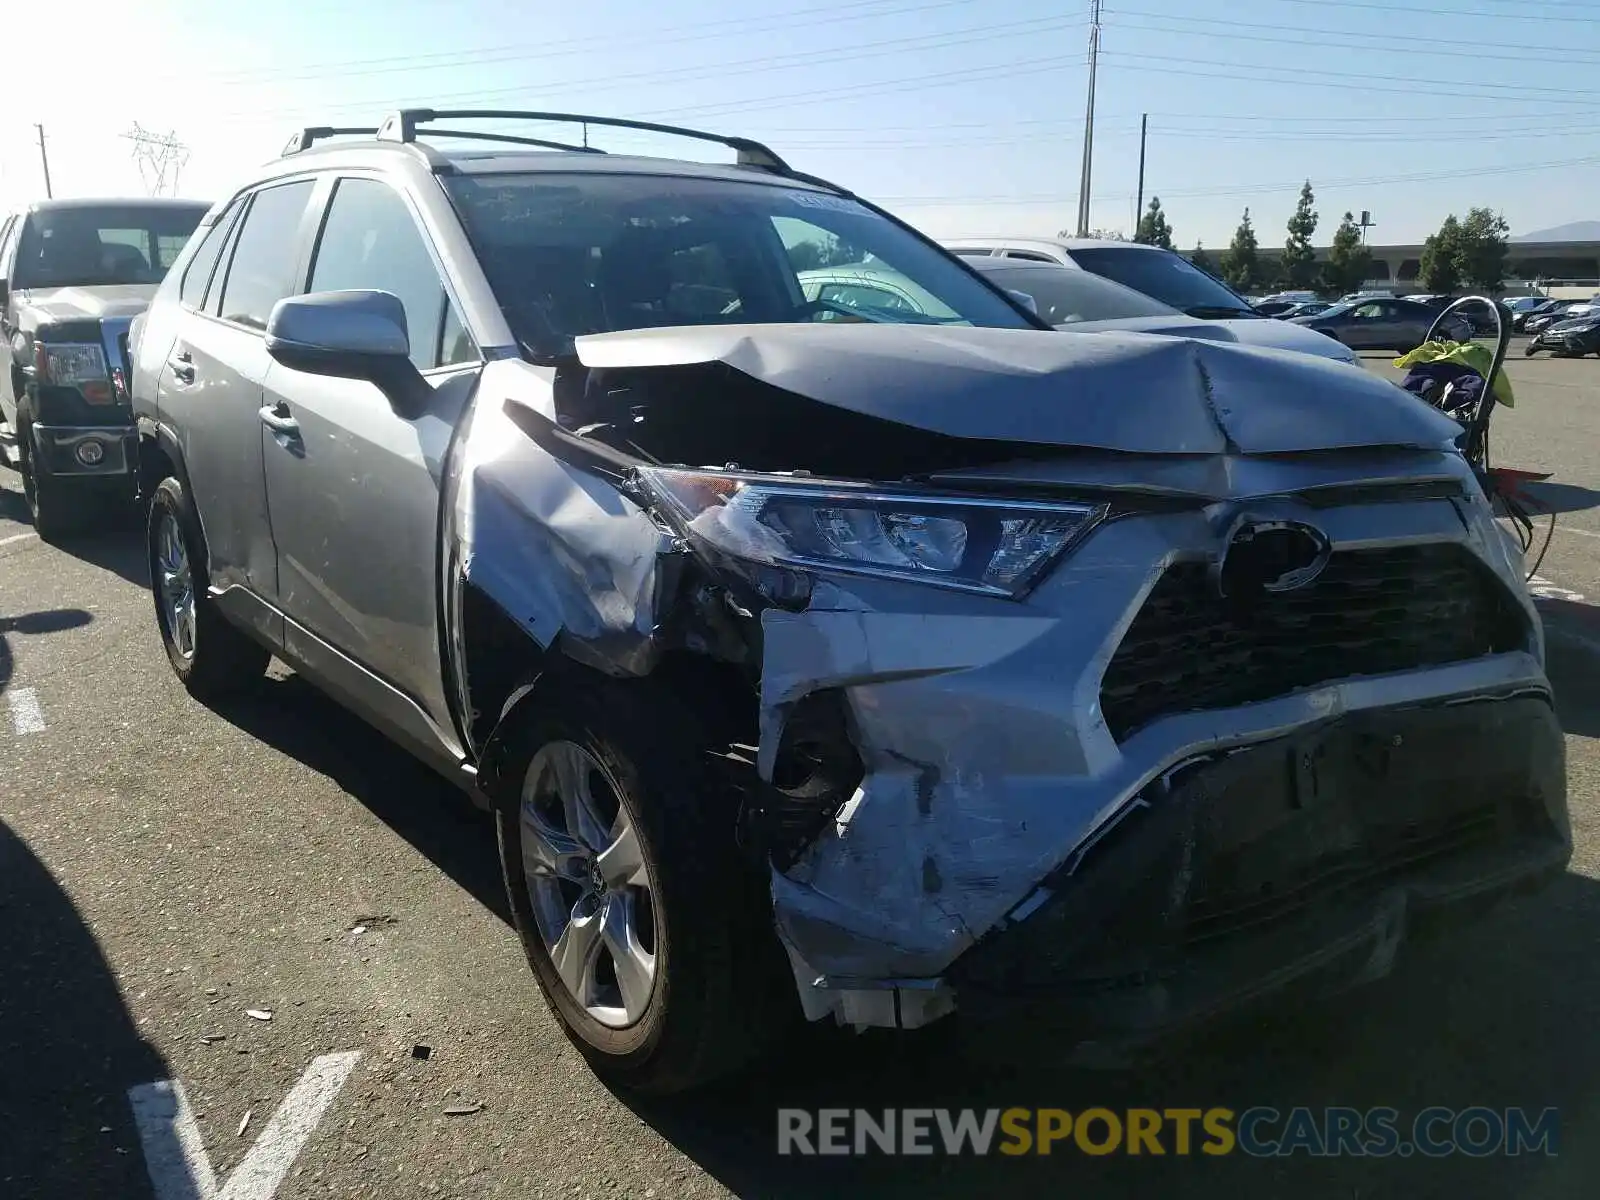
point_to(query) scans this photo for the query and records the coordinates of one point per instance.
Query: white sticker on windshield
(821, 200)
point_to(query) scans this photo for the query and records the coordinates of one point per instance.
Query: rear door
(209, 393)
(352, 486)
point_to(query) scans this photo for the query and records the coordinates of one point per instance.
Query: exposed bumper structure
(1017, 756)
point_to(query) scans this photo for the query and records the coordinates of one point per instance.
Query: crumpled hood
(1109, 391)
(124, 300)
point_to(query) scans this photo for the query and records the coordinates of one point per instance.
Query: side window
(370, 241)
(455, 343)
(1367, 312)
(262, 269)
(197, 275)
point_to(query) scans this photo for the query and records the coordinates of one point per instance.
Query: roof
(76, 202)
(1048, 243)
(369, 152)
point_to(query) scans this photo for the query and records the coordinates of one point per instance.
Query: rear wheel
(649, 936)
(210, 656)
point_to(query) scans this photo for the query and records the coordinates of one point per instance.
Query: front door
(353, 488)
(210, 387)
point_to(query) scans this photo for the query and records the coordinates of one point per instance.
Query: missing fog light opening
(90, 453)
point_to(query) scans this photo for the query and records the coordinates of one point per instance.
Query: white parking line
(26, 715)
(180, 1168)
(1543, 589)
(17, 537)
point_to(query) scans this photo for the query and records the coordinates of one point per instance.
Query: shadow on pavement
(1505, 1014)
(51, 621)
(293, 716)
(69, 1051)
(1562, 497)
(1572, 672)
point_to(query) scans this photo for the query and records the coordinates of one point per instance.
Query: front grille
(1370, 612)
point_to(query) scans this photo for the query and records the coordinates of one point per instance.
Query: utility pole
(1138, 215)
(1088, 122)
(44, 160)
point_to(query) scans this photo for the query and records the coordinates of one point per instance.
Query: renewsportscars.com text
(1260, 1132)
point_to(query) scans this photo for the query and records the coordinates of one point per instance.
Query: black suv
(73, 276)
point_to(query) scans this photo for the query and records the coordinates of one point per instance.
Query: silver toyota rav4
(816, 660)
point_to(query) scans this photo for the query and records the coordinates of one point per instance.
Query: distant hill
(1573, 231)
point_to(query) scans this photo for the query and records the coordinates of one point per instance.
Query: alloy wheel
(175, 582)
(589, 885)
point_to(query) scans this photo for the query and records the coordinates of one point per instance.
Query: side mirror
(1024, 299)
(350, 335)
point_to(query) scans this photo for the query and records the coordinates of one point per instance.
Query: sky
(963, 116)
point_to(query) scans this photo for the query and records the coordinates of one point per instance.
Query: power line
(1299, 74)
(534, 51)
(1497, 54)
(1263, 188)
(1392, 10)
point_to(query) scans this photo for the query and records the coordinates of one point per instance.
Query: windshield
(1168, 277)
(570, 254)
(1065, 296)
(102, 245)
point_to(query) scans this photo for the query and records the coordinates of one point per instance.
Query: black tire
(58, 510)
(1529, 350)
(723, 993)
(224, 659)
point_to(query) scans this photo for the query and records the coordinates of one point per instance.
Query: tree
(1348, 259)
(1202, 260)
(1481, 252)
(1441, 258)
(1299, 259)
(1153, 228)
(1239, 266)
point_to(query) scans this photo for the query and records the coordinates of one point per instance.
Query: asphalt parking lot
(167, 869)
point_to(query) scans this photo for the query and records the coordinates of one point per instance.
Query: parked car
(1559, 310)
(1083, 302)
(1525, 308)
(1158, 273)
(1308, 309)
(1078, 301)
(966, 679)
(73, 274)
(1571, 337)
(1383, 324)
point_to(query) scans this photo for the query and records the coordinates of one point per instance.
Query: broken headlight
(995, 546)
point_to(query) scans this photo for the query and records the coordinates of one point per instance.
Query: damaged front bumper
(1125, 796)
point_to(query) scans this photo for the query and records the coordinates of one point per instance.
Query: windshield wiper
(1212, 312)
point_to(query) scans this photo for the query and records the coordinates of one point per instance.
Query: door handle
(182, 365)
(276, 418)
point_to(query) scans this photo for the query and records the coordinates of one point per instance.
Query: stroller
(1455, 378)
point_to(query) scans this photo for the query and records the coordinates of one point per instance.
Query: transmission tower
(160, 156)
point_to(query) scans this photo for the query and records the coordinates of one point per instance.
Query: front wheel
(57, 509)
(1529, 350)
(209, 655)
(649, 936)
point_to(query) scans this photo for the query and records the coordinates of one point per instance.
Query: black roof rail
(401, 126)
(521, 141)
(316, 133)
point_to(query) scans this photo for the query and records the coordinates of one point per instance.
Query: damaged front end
(1141, 675)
